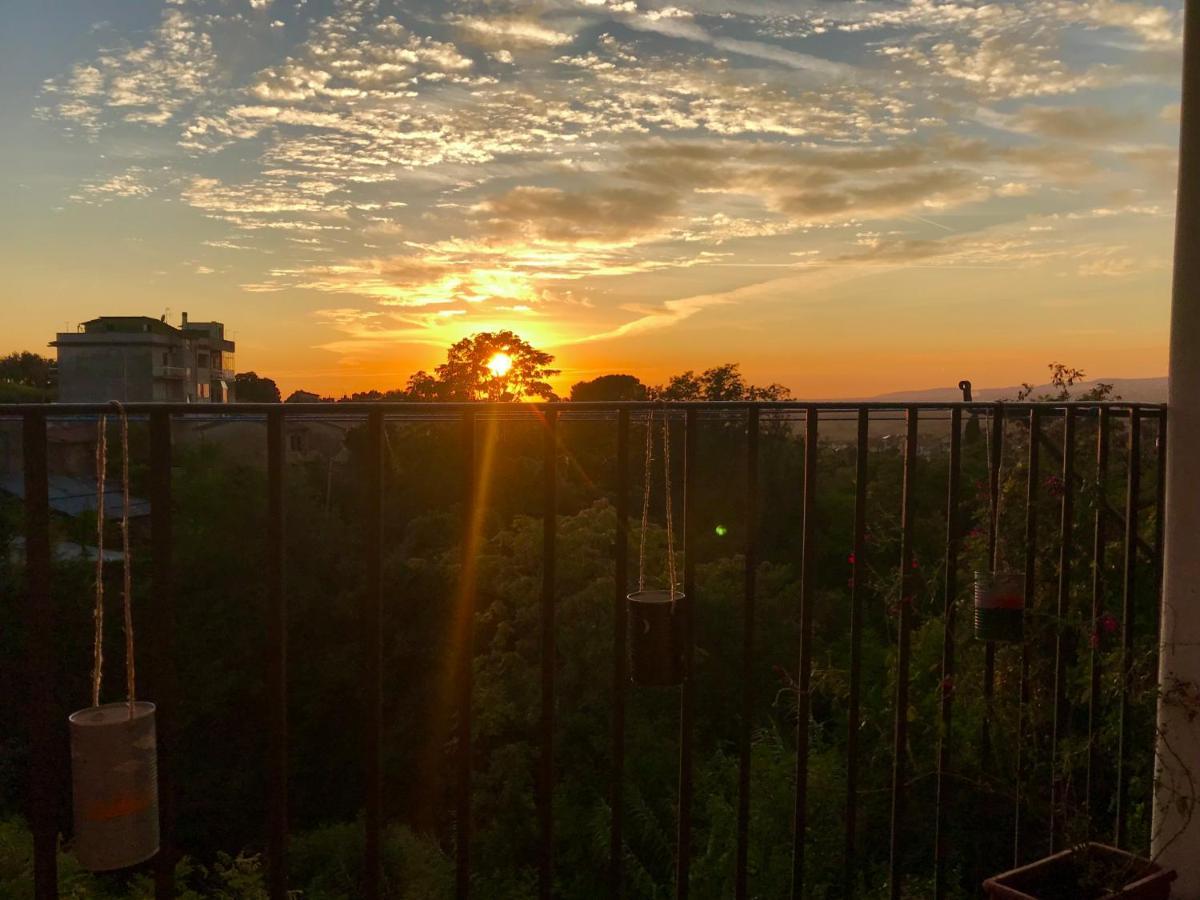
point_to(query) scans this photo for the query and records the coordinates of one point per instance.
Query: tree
(29, 369)
(425, 387)
(609, 387)
(249, 387)
(470, 372)
(302, 397)
(724, 382)
(1063, 378)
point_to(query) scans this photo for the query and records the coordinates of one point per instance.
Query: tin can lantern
(114, 776)
(655, 638)
(999, 606)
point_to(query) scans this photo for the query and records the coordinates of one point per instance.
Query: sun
(499, 364)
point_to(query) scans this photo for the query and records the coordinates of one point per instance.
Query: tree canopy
(465, 375)
(724, 382)
(250, 387)
(29, 369)
(609, 387)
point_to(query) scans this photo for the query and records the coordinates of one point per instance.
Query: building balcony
(844, 720)
(172, 372)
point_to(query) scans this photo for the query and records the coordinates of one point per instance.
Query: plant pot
(999, 606)
(655, 638)
(114, 781)
(1086, 872)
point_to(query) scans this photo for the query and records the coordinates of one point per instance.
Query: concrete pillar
(1176, 836)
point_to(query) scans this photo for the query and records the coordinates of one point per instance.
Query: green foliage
(28, 369)
(220, 600)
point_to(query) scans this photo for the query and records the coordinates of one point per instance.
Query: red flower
(1108, 622)
(851, 559)
(947, 685)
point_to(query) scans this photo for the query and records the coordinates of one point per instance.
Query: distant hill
(1138, 390)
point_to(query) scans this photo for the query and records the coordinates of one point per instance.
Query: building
(139, 358)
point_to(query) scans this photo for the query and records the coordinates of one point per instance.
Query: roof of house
(75, 496)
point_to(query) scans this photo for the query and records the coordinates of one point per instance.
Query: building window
(203, 391)
(202, 360)
(296, 441)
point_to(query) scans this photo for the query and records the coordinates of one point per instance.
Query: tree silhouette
(465, 374)
(250, 387)
(724, 382)
(609, 387)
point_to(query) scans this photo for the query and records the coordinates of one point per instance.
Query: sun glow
(499, 364)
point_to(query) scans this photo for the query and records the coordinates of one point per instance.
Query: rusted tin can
(114, 781)
(999, 606)
(656, 638)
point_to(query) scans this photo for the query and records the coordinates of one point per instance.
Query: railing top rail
(399, 407)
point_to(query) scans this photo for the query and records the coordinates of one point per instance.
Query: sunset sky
(846, 197)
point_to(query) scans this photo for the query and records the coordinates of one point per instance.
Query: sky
(845, 197)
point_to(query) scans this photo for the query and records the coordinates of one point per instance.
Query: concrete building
(138, 358)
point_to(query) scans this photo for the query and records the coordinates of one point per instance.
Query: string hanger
(672, 579)
(127, 560)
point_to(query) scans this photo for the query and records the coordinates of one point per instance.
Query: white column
(1176, 837)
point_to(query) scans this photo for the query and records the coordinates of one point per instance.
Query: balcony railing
(172, 372)
(1049, 432)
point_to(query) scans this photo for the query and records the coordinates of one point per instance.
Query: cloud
(608, 215)
(499, 32)
(147, 84)
(1077, 123)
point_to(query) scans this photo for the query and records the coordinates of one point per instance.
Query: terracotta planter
(999, 606)
(655, 638)
(1086, 872)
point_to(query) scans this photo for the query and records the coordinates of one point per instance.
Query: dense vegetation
(219, 524)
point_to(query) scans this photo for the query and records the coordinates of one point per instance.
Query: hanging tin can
(999, 606)
(656, 638)
(114, 776)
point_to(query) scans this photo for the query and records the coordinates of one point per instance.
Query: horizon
(842, 198)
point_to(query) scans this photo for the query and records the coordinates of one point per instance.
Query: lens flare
(500, 364)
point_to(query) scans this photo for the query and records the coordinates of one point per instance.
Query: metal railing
(46, 733)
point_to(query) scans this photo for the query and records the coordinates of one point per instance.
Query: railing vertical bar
(44, 737)
(372, 636)
(464, 647)
(995, 456)
(1133, 484)
(276, 664)
(161, 620)
(747, 723)
(1160, 510)
(804, 678)
(546, 761)
(904, 604)
(687, 693)
(1030, 594)
(1066, 554)
(949, 617)
(616, 856)
(858, 570)
(1099, 539)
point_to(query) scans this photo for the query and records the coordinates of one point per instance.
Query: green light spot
(721, 531)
